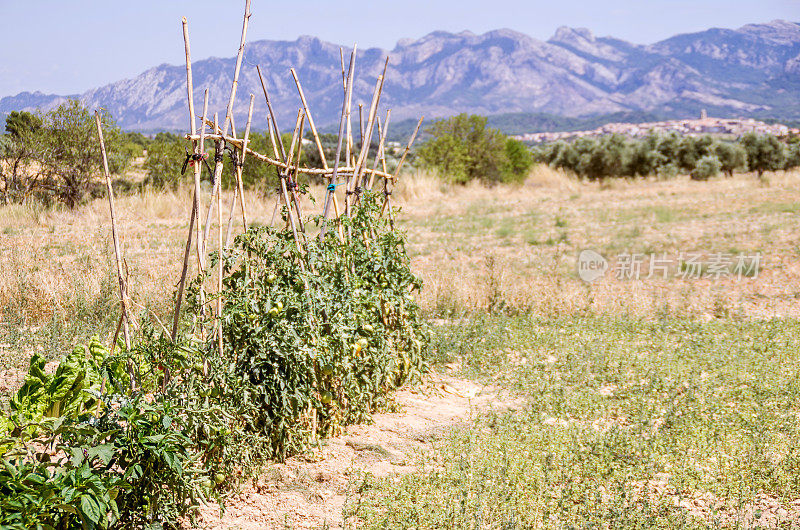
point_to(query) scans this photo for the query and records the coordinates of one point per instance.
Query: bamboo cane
(123, 295)
(334, 175)
(310, 119)
(349, 142)
(284, 158)
(271, 115)
(229, 110)
(407, 149)
(197, 167)
(295, 198)
(196, 197)
(282, 179)
(361, 125)
(399, 167)
(382, 132)
(182, 283)
(194, 220)
(272, 138)
(378, 156)
(220, 260)
(367, 138)
(274, 150)
(239, 190)
(278, 163)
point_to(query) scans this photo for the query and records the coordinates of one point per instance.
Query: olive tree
(707, 167)
(731, 157)
(764, 152)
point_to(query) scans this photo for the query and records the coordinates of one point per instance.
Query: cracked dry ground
(309, 491)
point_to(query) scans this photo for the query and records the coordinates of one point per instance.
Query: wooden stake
(349, 142)
(281, 164)
(310, 119)
(123, 294)
(399, 167)
(239, 190)
(219, 261)
(381, 154)
(334, 175)
(361, 125)
(182, 283)
(229, 110)
(407, 149)
(198, 169)
(284, 191)
(272, 115)
(367, 139)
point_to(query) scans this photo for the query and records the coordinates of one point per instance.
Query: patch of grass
(623, 423)
(507, 228)
(664, 214)
(531, 237)
(776, 207)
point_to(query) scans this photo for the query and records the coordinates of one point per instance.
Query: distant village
(689, 127)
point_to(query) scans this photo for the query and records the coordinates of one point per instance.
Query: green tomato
(219, 478)
(207, 484)
(271, 279)
(279, 306)
(363, 342)
(327, 370)
(368, 329)
(198, 367)
(273, 312)
(326, 397)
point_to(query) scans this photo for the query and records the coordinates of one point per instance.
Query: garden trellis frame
(353, 173)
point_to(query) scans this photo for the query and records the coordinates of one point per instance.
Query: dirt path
(307, 494)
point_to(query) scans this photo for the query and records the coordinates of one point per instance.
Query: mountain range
(750, 71)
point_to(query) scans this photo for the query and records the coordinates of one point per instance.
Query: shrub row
(666, 155)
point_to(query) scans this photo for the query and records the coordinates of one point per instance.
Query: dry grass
(477, 248)
(516, 247)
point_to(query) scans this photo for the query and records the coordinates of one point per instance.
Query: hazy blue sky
(69, 46)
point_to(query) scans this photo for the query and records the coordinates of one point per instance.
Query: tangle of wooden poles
(352, 173)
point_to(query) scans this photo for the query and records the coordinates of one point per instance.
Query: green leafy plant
(315, 339)
(706, 167)
(463, 148)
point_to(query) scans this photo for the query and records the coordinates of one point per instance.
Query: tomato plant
(315, 337)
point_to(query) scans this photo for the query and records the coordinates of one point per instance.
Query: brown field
(474, 246)
(510, 249)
